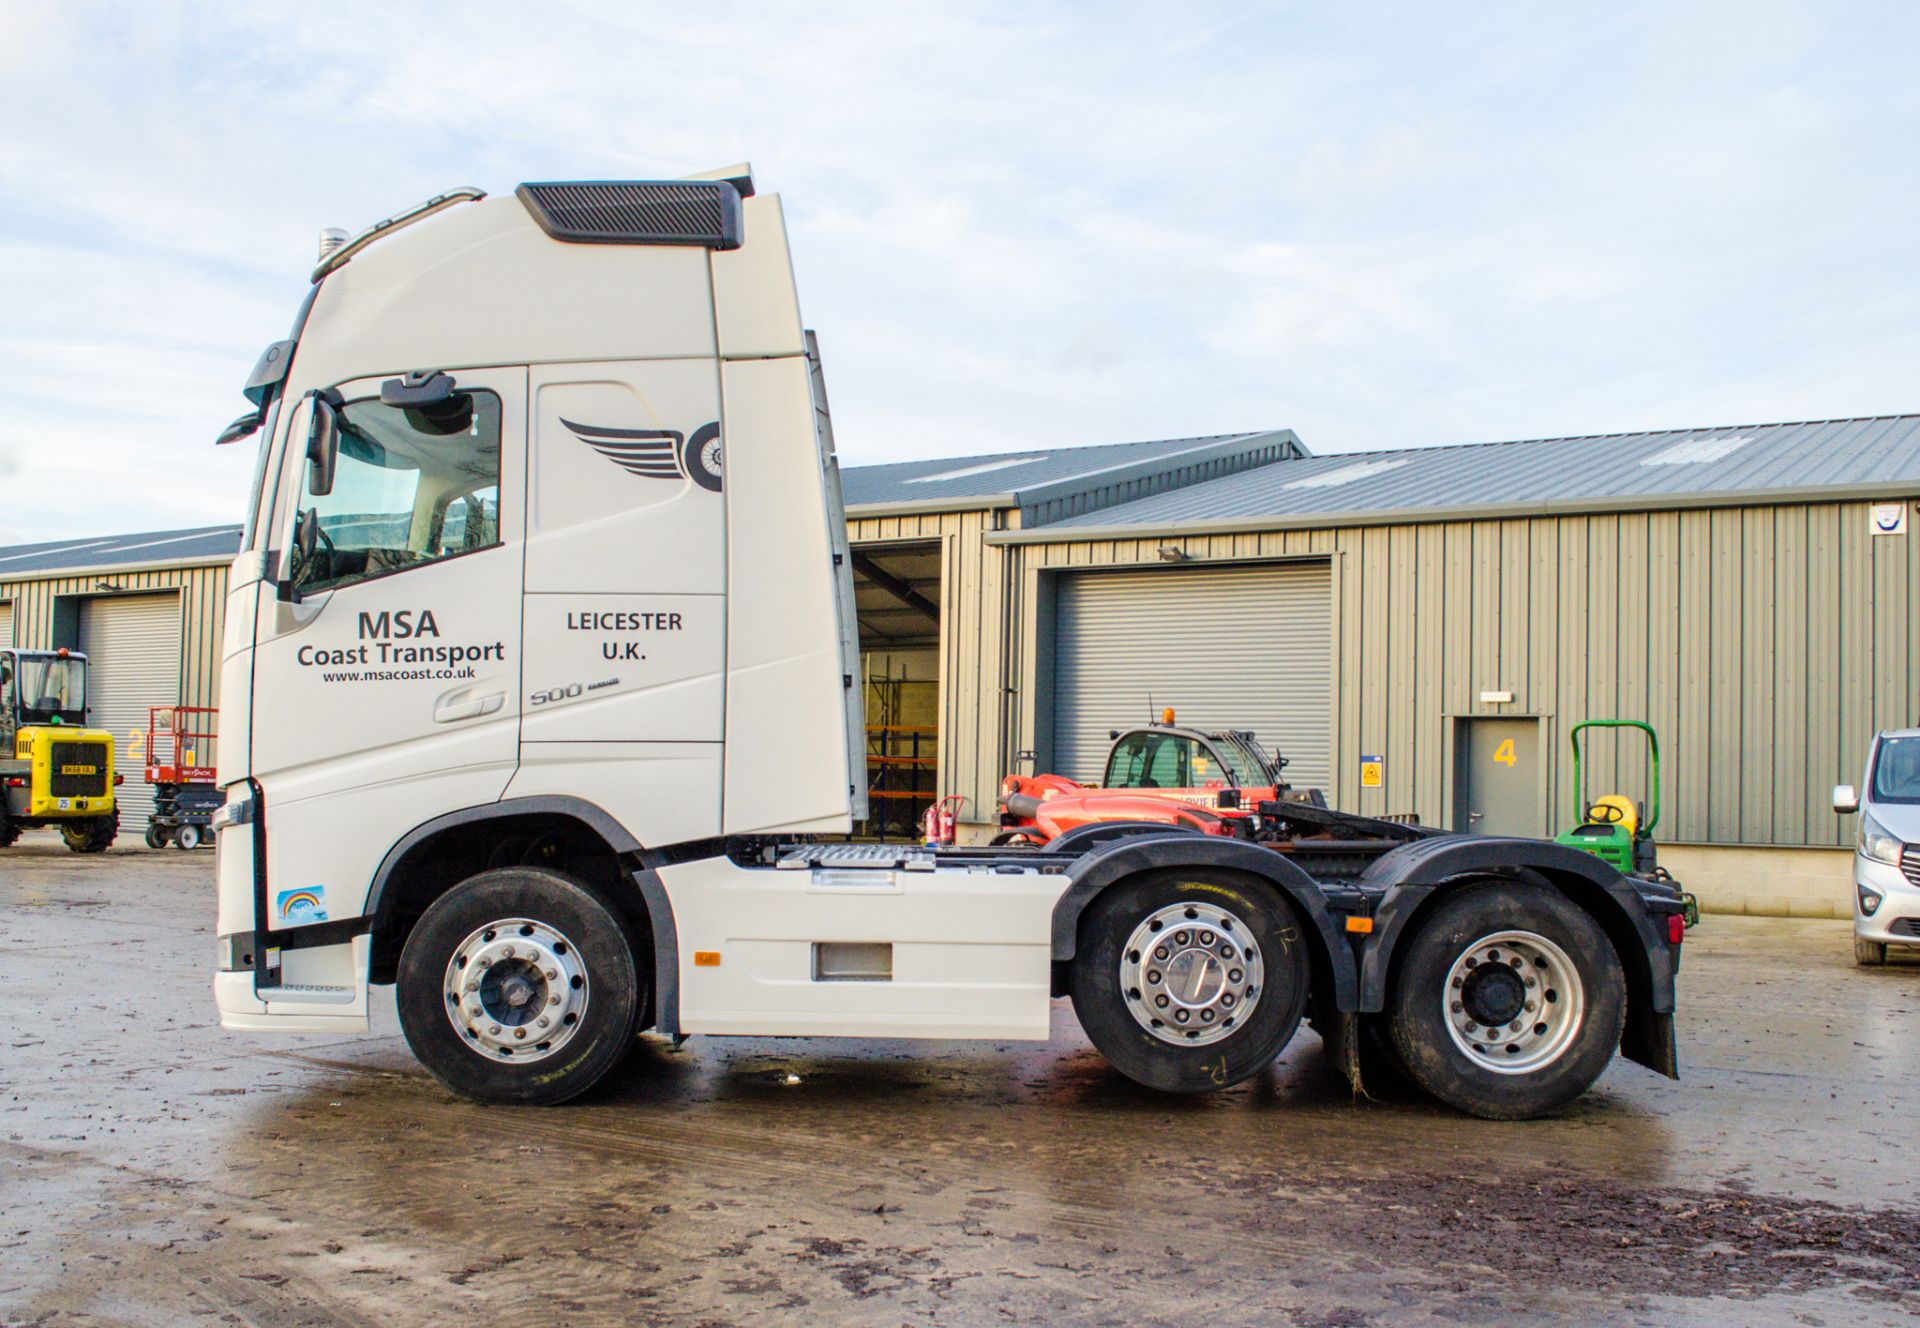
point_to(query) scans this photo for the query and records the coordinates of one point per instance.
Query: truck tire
(93, 835)
(1869, 954)
(1189, 980)
(1526, 965)
(9, 832)
(519, 986)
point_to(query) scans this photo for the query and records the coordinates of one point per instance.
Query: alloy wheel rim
(516, 990)
(1191, 973)
(1513, 1002)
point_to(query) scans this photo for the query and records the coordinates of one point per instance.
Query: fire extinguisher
(940, 824)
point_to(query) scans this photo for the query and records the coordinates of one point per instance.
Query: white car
(1886, 859)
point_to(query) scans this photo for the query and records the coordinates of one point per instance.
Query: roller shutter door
(132, 643)
(6, 624)
(1226, 647)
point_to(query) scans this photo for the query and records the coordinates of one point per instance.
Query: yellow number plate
(79, 769)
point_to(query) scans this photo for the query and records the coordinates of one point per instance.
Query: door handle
(1476, 816)
(466, 704)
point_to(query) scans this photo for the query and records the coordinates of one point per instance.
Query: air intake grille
(1906, 927)
(1910, 863)
(88, 755)
(703, 212)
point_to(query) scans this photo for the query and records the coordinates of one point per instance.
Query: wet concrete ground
(155, 1170)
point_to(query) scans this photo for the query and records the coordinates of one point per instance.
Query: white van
(1886, 858)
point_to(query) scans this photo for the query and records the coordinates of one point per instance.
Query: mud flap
(1340, 1032)
(1649, 1040)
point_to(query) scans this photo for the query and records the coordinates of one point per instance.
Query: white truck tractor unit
(538, 704)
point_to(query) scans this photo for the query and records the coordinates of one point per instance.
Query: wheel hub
(1191, 973)
(1513, 1002)
(516, 989)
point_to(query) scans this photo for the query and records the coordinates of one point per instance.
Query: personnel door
(1500, 784)
(387, 671)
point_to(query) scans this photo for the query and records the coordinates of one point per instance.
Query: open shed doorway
(897, 591)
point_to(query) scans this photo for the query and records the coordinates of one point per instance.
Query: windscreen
(51, 688)
(1896, 771)
(1245, 759)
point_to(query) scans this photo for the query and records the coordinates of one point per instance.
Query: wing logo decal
(657, 454)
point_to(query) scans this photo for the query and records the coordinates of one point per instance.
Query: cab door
(387, 660)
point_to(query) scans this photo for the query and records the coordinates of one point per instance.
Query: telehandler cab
(54, 771)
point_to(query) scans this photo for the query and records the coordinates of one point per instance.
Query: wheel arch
(1330, 957)
(576, 837)
(1417, 877)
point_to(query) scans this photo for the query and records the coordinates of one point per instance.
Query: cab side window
(6, 707)
(411, 486)
(1156, 760)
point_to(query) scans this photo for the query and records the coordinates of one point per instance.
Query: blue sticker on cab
(299, 907)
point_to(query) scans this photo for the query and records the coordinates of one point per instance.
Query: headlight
(1876, 843)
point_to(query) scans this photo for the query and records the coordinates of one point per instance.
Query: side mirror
(241, 428)
(323, 447)
(306, 534)
(1845, 799)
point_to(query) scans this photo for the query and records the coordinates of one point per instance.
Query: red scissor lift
(180, 764)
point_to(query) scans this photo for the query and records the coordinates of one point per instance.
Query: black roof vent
(702, 212)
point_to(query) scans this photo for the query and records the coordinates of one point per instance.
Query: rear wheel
(1508, 1002)
(93, 835)
(519, 986)
(1189, 981)
(156, 836)
(189, 837)
(1869, 954)
(9, 832)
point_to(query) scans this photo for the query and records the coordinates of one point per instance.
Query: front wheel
(519, 986)
(93, 835)
(156, 836)
(1508, 1002)
(1869, 954)
(190, 837)
(1189, 980)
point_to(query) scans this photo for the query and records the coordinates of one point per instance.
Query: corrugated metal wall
(203, 592)
(1766, 644)
(975, 631)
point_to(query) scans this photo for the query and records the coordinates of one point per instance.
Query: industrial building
(1445, 613)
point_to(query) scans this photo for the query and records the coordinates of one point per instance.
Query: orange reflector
(1360, 925)
(706, 959)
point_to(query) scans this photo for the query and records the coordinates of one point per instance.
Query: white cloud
(1379, 226)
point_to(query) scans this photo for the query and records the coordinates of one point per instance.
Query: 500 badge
(573, 689)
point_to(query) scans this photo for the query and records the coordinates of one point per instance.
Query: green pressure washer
(1612, 827)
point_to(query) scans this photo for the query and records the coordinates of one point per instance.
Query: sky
(1014, 226)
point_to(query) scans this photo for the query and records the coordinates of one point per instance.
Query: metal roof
(205, 544)
(1019, 479)
(1822, 459)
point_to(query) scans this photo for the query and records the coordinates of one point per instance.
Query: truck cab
(539, 703)
(55, 772)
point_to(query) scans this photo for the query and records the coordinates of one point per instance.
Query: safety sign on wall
(1889, 518)
(1370, 771)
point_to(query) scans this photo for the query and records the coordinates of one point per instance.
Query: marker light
(1359, 926)
(1676, 928)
